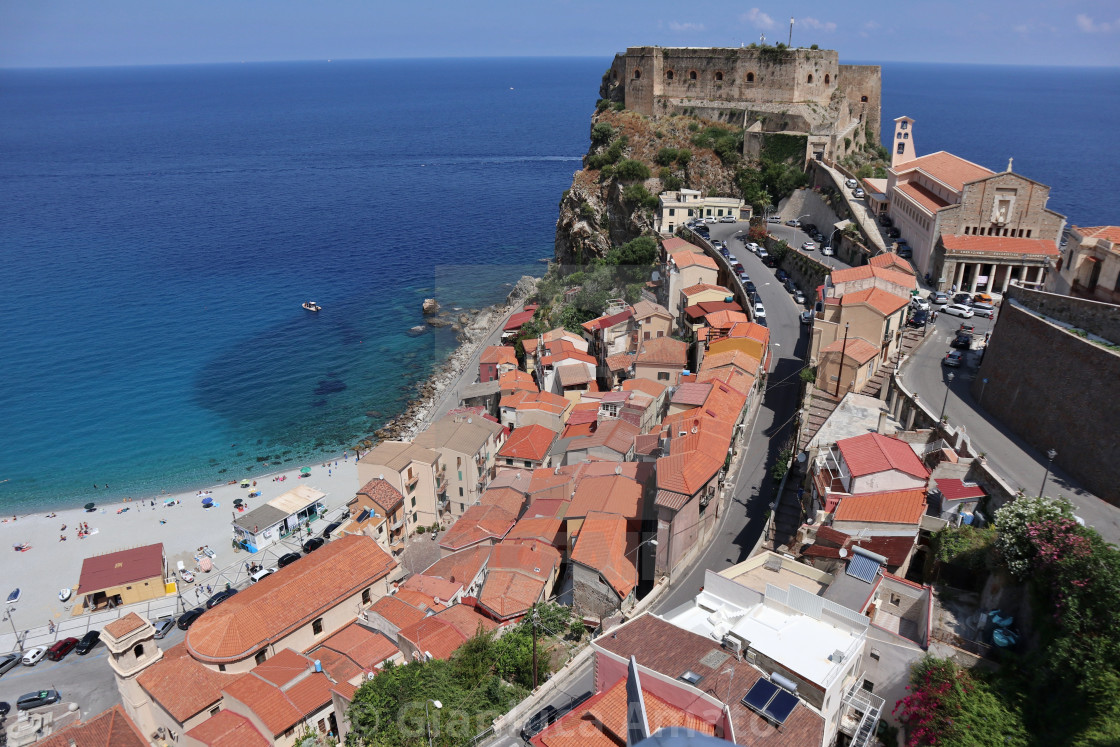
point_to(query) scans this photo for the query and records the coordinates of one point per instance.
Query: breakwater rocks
(461, 366)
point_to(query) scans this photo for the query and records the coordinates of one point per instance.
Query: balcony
(411, 480)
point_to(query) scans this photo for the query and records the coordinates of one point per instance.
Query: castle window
(637, 74)
(692, 75)
(1028, 233)
(668, 75)
(750, 77)
(827, 79)
(810, 77)
(719, 75)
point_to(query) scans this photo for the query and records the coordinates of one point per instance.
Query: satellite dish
(370, 675)
(843, 553)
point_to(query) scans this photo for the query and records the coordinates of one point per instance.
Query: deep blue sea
(160, 226)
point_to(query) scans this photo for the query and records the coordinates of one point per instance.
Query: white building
(268, 524)
(677, 208)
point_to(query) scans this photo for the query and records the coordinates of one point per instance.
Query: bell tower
(131, 642)
(902, 147)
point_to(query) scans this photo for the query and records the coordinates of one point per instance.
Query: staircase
(870, 706)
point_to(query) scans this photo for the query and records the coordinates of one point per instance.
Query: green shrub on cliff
(666, 156)
(638, 196)
(630, 170)
(726, 144)
(601, 134)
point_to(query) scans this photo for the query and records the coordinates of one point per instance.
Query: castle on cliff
(764, 90)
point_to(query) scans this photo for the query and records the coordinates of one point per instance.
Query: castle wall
(859, 82)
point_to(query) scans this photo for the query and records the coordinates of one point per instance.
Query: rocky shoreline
(472, 330)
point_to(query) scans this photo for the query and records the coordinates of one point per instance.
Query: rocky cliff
(602, 210)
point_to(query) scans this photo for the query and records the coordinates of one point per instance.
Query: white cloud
(675, 26)
(1089, 26)
(813, 23)
(759, 19)
(871, 25)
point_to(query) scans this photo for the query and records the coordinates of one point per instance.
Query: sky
(81, 33)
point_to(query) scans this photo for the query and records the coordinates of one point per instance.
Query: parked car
(885, 221)
(261, 574)
(163, 626)
(220, 597)
(753, 247)
(288, 559)
(313, 544)
(858, 192)
(849, 183)
(982, 298)
(968, 327)
(963, 298)
(709, 219)
(330, 529)
(918, 319)
(540, 720)
(963, 341)
(38, 699)
(774, 219)
(749, 286)
(727, 219)
(806, 317)
(957, 309)
(799, 298)
(58, 651)
(744, 278)
(938, 298)
(88, 642)
(808, 246)
(818, 237)
(953, 358)
(763, 254)
(187, 618)
(893, 233)
(985, 310)
(809, 227)
(725, 251)
(759, 310)
(33, 656)
(917, 302)
(789, 285)
(795, 223)
(5, 709)
(905, 252)
(781, 275)
(8, 662)
(827, 251)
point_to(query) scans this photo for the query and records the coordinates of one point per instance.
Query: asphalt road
(795, 237)
(744, 519)
(1021, 465)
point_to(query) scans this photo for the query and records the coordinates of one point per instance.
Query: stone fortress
(765, 90)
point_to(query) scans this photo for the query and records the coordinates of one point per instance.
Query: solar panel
(770, 701)
(863, 568)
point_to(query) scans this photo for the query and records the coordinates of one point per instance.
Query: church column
(975, 276)
(958, 275)
(1006, 279)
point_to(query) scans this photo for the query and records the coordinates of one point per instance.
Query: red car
(61, 648)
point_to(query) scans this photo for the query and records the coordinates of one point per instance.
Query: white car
(957, 309)
(709, 219)
(808, 246)
(33, 656)
(857, 192)
(850, 183)
(759, 310)
(919, 303)
(262, 573)
(727, 219)
(762, 253)
(826, 251)
(732, 258)
(753, 247)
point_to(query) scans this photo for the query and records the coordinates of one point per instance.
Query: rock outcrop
(430, 307)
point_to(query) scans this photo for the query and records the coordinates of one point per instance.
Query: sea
(161, 226)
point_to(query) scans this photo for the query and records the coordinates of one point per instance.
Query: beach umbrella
(90, 507)
(207, 501)
(305, 470)
(244, 483)
(238, 501)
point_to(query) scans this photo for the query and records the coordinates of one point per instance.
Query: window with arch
(810, 77)
(668, 75)
(750, 77)
(906, 136)
(719, 75)
(692, 75)
(863, 99)
(637, 74)
(901, 148)
(827, 79)
(138, 650)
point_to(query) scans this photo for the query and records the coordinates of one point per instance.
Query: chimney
(884, 425)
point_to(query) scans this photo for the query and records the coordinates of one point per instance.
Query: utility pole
(843, 352)
(535, 620)
(790, 32)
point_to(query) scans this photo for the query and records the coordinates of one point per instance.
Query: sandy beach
(182, 527)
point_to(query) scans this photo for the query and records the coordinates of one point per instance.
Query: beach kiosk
(122, 577)
(293, 511)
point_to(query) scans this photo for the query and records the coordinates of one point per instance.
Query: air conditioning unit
(732, 643)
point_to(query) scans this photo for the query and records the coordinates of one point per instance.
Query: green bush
(666, 156)
(602, 105)
(586, 211)
(601, 133)
(672, 183)
(808, 375)
(684, 155)
(630, 170)
(618, 106)
(638, 196)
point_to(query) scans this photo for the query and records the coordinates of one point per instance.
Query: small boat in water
(312, 306)
(13, 597)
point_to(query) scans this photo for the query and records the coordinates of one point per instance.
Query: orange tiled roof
(616, 435)
(864, 272)
(281, 706)
(694, 259)
(517, 479)
(365, 647)
(602, 546)
(620, 361)
(952, 171)
(884, 302)
(725, 319)
(873, 452)
(465, 620)
(539, 528)
(574, 374)
(518, 576)
(111, 728)
(998, 245)
(383, 495)
(1108, 233)
(687, 473)
(517, 380)
(922, 196)
(888, 507)
(498, 354)
(663, 351)
(121, 567)
(652, 388)
(614, 494)
(699, 288)
(529, 442)
(672, 245)
(431, 636)
(226, 729)
(478, 523)
(737, 358)
(436, 589)
(419, 600)
(123, 626)
(544, 401)
(461, 567)
(856, 348)
(293, 596)
(181, 685)
(889, 261)
(751, 331)
(396, 611)
(733, 377)
(510, 499)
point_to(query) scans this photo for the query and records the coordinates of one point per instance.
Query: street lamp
(9, 610)
(1050, 456)
(946, 400)
(427, 720)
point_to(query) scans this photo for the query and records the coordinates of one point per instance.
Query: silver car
(10, 661)
(163, 626)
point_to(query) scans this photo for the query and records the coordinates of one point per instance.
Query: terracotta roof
(397, 612)
(737, 358)
(725, 319)
(751, 331)
(882, 301)
(733, 377)
(614, 494)
(508, 498)
(953, 489)
(616, 435)
(517, 577)
(293, 596)
(228, 729)
(111, 728)
(856, 348)
(831, 536)
(644, 309)
(606, 321)
(543, 401)
(952, 171)
(478, 523)
(530, 346)
(724, 402)
(891, 261)
(432, 636)
(925, 199)
(687, 473)
(864, 272)
(663, 351)
(517, 380)
(888, 507)
(419, 600)
(120, 568)
(694, 259)
(465, 620)
(999, 245)
(574, 374)
(873, 452)
(894, 549)
(693, 290)
(498, 354)
(602, 546)
(518, 479)
(620, 361)
(545, 529)
(383, 495)
(366, 648)
(121, 627)
(698, 311)
(672, 245)
(529, 442)
(669, 650)
(287, 697)
(181, 685)
(652, 388)
(461, 567)
(436, 589)
(1108, 233)
(646, 443)
(518, 319)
